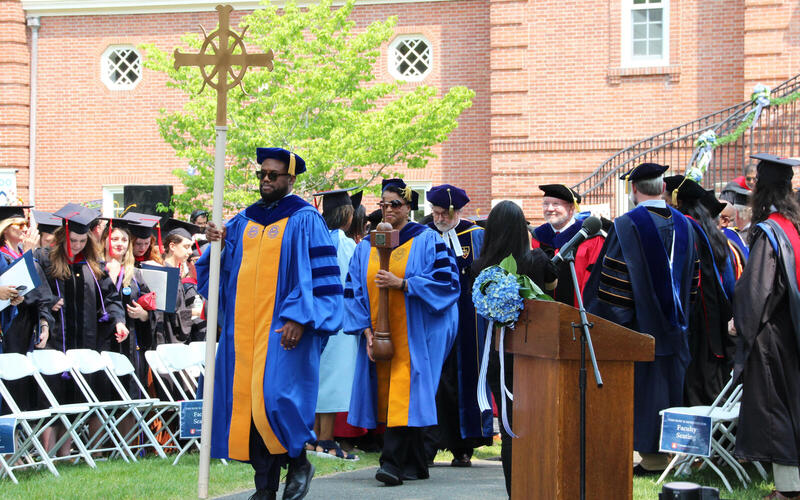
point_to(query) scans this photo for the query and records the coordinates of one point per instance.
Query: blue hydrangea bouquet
(499, 292)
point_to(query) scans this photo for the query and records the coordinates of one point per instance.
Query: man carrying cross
(280, 295)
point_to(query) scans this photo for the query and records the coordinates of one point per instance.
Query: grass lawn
(153, 478)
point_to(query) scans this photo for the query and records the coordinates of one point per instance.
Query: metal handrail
(777, 129)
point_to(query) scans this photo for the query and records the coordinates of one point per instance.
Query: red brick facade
(553, 98)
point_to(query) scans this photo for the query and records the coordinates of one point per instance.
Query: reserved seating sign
(7, 442)
(689, 434)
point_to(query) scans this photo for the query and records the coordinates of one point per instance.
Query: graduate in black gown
(88, 312)
(766, 307)
(710, 344)
(461, 426)
(643, 280)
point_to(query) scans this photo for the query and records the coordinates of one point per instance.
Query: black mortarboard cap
(46, 222)
(736, 194)
(334, 199)
(182, 228)
(772, 169)
(561, 192)
(712, 204)
(77, 218)
(295, 165)
(686, 188)
(141, 226)
(355, 199)
(13, 211)
(408, 194)
(644, 171)
(447, 196)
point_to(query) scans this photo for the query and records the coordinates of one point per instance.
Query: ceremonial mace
(222, 50)
(385, 238)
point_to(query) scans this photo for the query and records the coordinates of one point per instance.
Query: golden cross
(227, 51)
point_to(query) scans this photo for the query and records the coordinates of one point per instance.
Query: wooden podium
(546, 456)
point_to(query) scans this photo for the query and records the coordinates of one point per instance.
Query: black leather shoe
(298, 480)
(263, 495)
(387, 478)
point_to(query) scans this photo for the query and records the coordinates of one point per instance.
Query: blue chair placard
(7, 441)
(690, 434)
(191, 419)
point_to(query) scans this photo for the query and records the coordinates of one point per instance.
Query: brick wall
(552, 98)
(14, 92)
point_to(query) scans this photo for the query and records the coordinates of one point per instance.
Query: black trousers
(493, 377)
(404, 453)
(267, 466)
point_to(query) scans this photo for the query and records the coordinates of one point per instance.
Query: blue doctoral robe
(278, 264)
(468, 346)
(637, 287)
(338, 361)
(420, 347)
(735, 238)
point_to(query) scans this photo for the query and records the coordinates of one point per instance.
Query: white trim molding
(116, 7)
(629, 60)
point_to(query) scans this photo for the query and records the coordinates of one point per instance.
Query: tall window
(121, 67)
(645, 33)
(410, 58)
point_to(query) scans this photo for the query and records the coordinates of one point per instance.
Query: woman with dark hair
(358, 228)
(175, 327)
(507, 234)
(423, 287)
(710, 344)
(765, 309)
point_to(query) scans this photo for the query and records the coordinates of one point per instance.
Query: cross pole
(223, 50)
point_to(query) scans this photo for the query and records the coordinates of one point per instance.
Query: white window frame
(108, 200)
(104, 68)
(391, 58)
(423, 204)
(628, 59)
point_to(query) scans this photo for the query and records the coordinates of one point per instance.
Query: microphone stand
(586, 339)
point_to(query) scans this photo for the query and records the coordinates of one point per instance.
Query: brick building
(560, 85)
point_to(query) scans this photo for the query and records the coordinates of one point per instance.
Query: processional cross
(223, 50)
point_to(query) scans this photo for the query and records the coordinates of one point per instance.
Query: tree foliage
(321, 100)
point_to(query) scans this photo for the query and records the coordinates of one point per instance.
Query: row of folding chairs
(94, 424)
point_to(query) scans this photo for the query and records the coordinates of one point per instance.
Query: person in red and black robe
(767, 316)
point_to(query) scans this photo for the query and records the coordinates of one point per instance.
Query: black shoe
(387, 478)
(462, 460)
(640, 471)
(263, 495)
(298, 480)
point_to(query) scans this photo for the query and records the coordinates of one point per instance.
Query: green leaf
(530, 290)
(321, 100)
(509, 264)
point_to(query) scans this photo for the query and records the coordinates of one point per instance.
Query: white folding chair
(724, 413)
(145, 411)
(30, 452)
(73, 417)
(181, 362)
(170, 410)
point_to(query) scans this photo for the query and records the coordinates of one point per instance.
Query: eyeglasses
(271, 175)
(19, 225)
(392, 204)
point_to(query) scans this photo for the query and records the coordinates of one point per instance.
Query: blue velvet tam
(644, 171)
(411, 196)
(295, 165)
(447, 196)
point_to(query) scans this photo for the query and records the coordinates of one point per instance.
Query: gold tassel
(451, 201)
(407, 193)
(292, 162)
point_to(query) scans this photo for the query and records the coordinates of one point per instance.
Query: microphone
(590, 227)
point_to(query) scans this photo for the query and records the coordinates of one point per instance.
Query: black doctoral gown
(710, 344)
(767, 356)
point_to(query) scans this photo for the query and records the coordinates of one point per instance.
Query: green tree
(321, 101)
